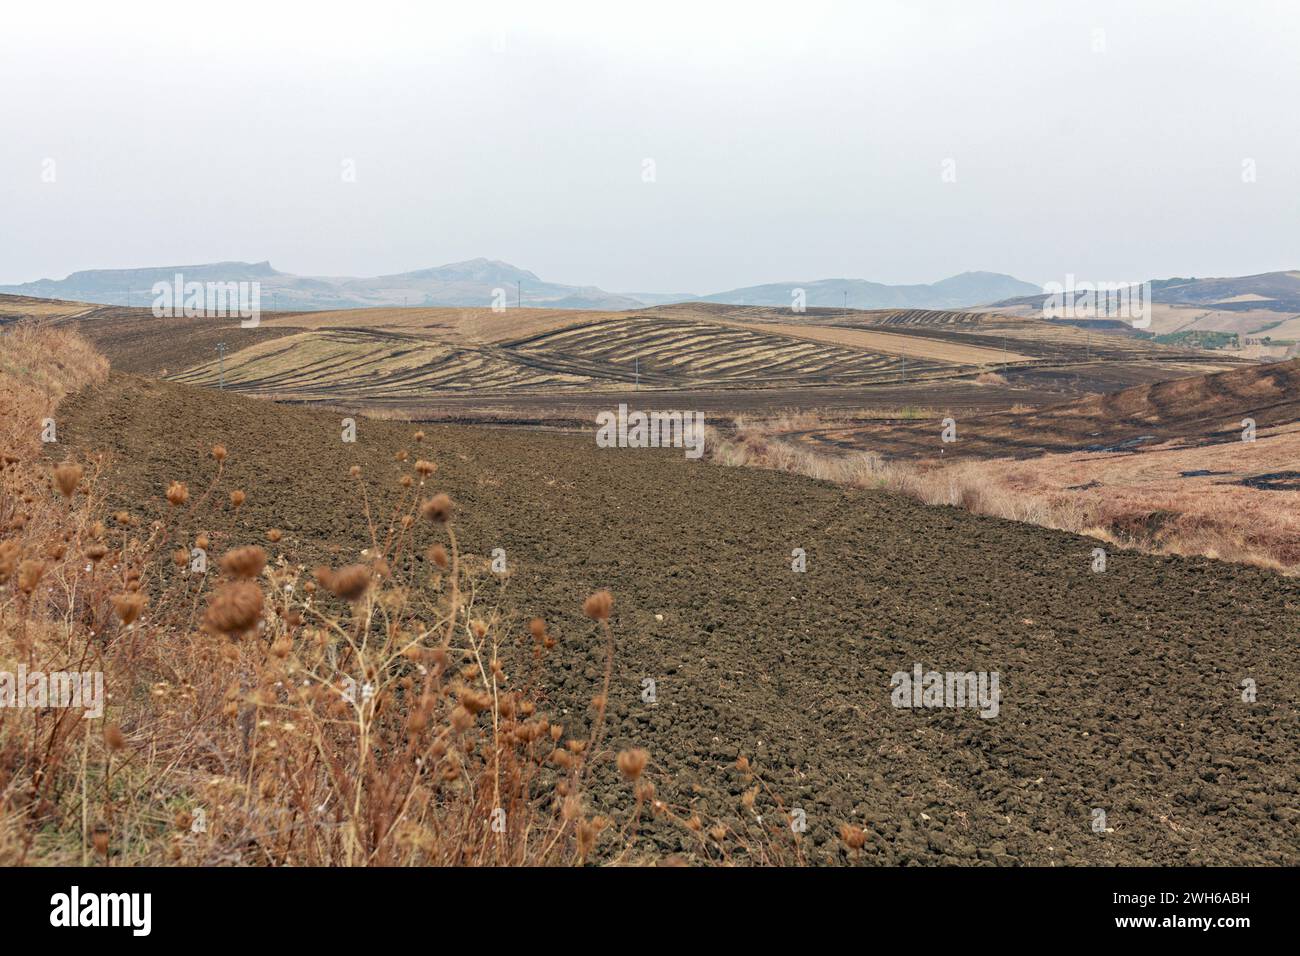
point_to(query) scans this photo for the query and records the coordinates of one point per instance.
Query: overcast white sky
(789, 140)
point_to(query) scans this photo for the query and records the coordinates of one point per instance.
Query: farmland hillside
(1154, 729)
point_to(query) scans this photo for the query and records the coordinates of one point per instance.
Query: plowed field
(1121, 691)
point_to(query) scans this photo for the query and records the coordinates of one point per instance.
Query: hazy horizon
(146, 267)
(832, 144)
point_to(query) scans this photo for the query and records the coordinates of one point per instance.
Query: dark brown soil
(135, 341)
(1120, 690)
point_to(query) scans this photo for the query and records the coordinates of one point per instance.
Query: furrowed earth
(1120, 691)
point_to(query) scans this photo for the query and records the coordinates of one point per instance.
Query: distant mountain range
(472, 283)
(480, 282)
(1269, 291)
(967, 289)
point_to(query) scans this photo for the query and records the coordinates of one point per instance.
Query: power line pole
(519, 294)
(221, 365)
(638, 373)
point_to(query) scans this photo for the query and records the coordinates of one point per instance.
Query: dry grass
(1152, 499)
(260, 713)
(810, 419)
(28, 307)
(1142, 501)
(39, 365)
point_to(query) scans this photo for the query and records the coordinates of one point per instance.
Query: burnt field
(1192, 411)
(1121, 691)
(960, 394)
(553, 367)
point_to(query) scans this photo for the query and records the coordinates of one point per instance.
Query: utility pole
(638, 373)
(904, 369)
(519, 294)
(221, 365)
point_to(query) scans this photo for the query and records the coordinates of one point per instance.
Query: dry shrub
(254, 718)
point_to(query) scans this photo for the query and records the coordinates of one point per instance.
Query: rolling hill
(1276, 291)
(555, 365)
(1263, 308)
(1198, 410)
